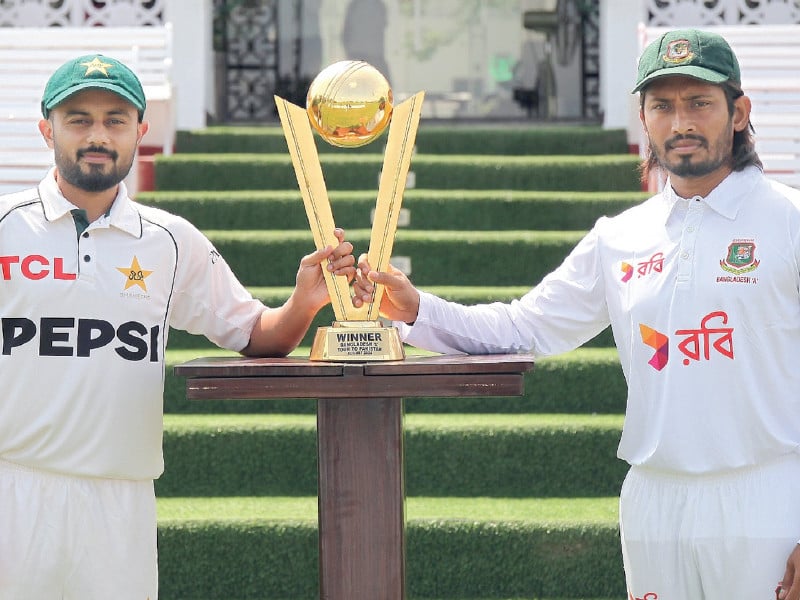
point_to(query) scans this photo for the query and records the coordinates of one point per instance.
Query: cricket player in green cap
(701, 287)
(90, 283)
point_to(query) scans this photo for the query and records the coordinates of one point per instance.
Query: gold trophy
(349, 104)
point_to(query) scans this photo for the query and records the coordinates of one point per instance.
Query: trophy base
(357, 341)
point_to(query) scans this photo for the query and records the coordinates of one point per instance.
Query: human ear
(46, 129)
(741, 113)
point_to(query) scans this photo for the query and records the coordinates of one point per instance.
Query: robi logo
(647, 596)
(697, 344)
(34, 266)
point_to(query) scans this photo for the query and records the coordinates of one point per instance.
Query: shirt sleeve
(209, 299)
(565, 310)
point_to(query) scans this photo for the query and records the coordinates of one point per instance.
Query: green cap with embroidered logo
(690, 52)
(93, 71)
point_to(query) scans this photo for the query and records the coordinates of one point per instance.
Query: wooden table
(360, 445)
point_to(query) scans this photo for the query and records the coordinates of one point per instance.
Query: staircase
(507, 498)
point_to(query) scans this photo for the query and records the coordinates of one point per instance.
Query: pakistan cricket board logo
(135, 275)
(741, 257)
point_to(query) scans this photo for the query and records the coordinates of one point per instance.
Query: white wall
(619, 50)
(192, 60)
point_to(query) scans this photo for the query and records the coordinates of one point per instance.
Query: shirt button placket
(86, 253)
(688, 239)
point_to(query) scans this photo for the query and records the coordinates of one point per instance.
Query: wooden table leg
(361, 497)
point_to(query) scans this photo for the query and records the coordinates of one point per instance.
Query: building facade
(477, 60)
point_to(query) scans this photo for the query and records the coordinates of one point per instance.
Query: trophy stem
(303, 150)
(399, 149)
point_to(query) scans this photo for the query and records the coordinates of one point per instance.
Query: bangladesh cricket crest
(741, 257)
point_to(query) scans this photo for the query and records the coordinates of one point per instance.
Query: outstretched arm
(280, 330)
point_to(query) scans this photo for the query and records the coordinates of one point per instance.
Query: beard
(95, 179)
(718, 156)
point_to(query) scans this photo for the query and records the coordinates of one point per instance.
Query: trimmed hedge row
(226, 560)
(476, 258)
(477, 139)
(583, 381)
(512, 456)
(495, 560)
(618, 172)
(470, 210)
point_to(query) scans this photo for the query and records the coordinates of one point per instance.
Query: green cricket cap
(93, 71)
(690, 52)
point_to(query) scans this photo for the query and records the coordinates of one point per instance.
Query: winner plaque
(349, 104)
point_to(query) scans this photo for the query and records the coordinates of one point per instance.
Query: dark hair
(743, 153)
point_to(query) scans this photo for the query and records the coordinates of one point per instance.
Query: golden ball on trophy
(349, 103)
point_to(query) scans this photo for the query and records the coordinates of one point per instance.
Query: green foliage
(519, 456)
(463, 560)
(437, 257)
(431, 139)
(459, 210)
(360, 172)
(244, 558)
(237, 559)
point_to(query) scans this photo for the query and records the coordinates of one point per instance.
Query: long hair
(743, 153)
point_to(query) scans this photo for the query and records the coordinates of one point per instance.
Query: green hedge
(477, 258)
(514, 456)
(471, 210)
(494, 560)
(546, 456)
(445, 560)
(431, 139)
(241, 560)
(246, 455)
(610, 173)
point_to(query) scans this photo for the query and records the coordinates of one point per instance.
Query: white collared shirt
(84, 324)
(703, 296)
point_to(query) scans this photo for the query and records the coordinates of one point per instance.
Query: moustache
(97, 150)
(670, 143)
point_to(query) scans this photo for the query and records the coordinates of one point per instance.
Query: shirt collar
(123, 214)
(725, 199)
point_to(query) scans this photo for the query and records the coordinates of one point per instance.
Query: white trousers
(72, 538)
(709, 537)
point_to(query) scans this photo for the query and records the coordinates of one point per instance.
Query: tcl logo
(34, 266)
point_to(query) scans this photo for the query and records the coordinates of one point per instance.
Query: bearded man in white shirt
(701, 287)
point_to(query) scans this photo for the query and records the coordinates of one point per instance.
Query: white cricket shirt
(703, 296)
(84, 322)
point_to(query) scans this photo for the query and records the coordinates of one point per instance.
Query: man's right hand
(400, 300)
